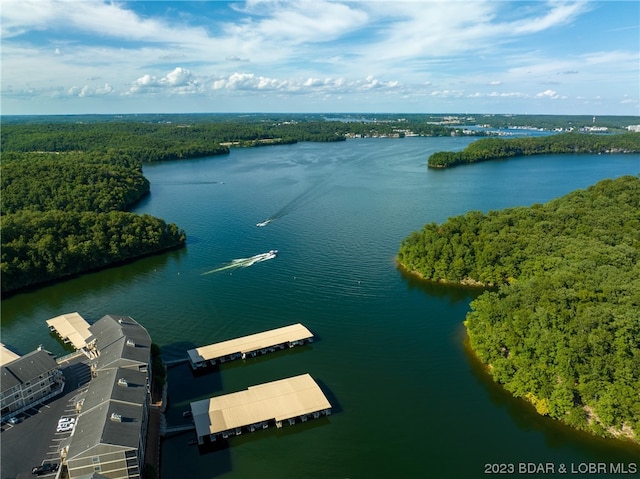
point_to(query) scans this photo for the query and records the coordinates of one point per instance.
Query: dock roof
(6, 355)
(279, 400)
(71, 327)
(253, 342)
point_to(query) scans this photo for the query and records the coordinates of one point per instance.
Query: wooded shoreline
(566, 143)
(559, 329)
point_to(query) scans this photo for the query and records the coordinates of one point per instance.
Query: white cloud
(252, 82)
(299, 21)
(552, 94)
(369, 49)
(560, 13)
(96, 17)
(495, 94)
(88, 91)
(178, 77)
(448, 93)
(179, 80)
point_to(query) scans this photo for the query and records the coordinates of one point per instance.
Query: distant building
(634, 128)
(594, 129)
(111, 429)
(28, 381)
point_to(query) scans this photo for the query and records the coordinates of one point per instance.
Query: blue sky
(417, 56)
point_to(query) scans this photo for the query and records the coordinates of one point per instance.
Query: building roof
(6, 355)
(71, 327)
(95, 433)
(121, 341)
(253, 342)
(27, 368)
(279, 400)
(119, 384)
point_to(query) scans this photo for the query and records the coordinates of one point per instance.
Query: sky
(320, 56)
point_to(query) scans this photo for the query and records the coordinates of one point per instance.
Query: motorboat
(264, 223)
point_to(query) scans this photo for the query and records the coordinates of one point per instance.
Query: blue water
(409, 401)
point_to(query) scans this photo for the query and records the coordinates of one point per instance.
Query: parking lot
(34, 440)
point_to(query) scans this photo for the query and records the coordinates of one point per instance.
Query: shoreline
(465, 282)
(60, 279)
(623, 434)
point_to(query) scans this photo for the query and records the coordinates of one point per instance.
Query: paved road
(35, 440)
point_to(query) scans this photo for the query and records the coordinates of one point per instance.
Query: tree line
(161, 141)
(495, 148)
(561, 326)
(65, 213)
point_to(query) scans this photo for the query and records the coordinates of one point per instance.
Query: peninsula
(559, 328)
(499, 148)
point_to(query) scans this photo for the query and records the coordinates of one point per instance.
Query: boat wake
(307, 196)
(245, 262)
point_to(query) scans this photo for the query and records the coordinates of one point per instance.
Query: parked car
(65, 426)
(14, 420)
(46, 468)
(65, 419)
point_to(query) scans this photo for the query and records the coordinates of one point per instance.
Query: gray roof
(107, 330)
(27, 368)
(108, 386)
(124, 353)
(95, 433)
(121, 341)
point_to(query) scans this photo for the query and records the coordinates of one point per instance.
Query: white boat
(264, 223)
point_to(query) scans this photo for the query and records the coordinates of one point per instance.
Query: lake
(409, 400)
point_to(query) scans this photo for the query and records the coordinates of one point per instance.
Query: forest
(496, 148)
(65, 213)
(191, 138)
(560, 326)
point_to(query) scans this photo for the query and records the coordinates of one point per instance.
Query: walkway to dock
(169, 431)
(258, 407)
(254, 344)
(175, 362)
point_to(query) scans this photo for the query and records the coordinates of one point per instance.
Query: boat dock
(290, 400)
(252, 345)
(72, 329)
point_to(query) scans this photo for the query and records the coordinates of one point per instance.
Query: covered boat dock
(72, 329)
(6, 355)
(298, 398)
(252, 345)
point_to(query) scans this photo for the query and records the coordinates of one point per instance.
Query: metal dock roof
(71, 327)
(253, 342)
(279, 400)
(6, 355)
